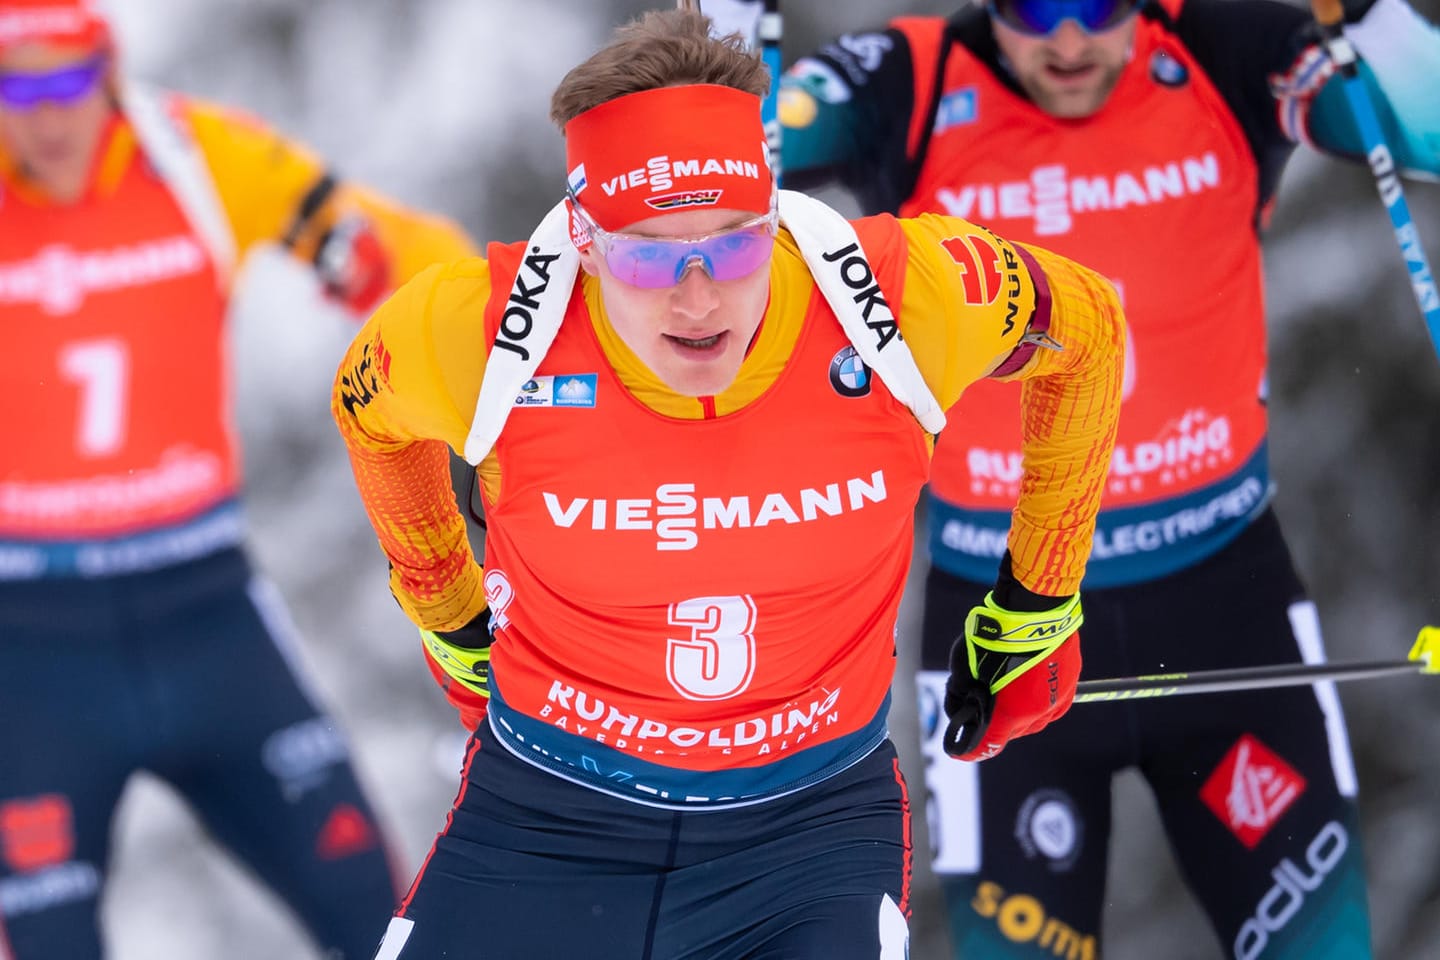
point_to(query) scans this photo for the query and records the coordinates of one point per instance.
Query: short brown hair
(665, 48)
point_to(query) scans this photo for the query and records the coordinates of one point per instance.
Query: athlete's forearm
(399, 426)
(406, 492)
(1070, 404)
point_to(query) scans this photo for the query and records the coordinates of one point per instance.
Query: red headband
(668, 149)
(60, 22)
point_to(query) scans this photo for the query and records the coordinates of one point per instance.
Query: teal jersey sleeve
(845, 115)
(1400, 67)
(822, 134)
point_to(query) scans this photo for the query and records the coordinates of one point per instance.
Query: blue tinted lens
(1041, 17)
(60, 86)
(655, 263)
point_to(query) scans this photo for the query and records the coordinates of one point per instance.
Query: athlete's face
(54, 104)
(692, 335)
(1071, 72)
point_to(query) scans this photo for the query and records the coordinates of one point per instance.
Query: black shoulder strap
(948, 39)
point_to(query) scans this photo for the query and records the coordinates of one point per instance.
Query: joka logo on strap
(1251, 789)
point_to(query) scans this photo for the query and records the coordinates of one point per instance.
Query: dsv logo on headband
(661, 173)
(685, 198)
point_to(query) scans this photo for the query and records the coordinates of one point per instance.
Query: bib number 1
(101, 371)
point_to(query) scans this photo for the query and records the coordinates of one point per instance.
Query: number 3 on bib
(717, 660)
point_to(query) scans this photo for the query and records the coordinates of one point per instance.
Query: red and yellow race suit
(694, 600)
(122, 453)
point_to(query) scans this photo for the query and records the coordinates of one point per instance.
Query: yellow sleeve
(968, 298)
(268, 186)
(403, 398)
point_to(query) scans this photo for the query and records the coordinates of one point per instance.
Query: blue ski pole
(1329, 15)
(759, 23)
(771, 30)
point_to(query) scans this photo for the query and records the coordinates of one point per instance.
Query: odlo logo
(1283, 901)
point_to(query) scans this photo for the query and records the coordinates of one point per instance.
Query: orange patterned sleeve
(402, 400)
(968, 297)
(1070, 404)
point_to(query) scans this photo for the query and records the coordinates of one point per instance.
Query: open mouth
(1070, 72)
(698, 344)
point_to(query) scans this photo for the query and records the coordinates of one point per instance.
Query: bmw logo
(849, 375)
(1167, 71)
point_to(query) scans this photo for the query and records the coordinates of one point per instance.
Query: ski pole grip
(1427, 650)
(1328, 13)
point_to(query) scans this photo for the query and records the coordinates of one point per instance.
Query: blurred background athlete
(133, 632)
(1145, 140)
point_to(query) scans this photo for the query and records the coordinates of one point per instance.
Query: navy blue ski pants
(182, 672)
(1256, 790)
(534, 867)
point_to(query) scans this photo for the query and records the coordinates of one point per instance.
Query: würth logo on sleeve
(979, 264)
(364, 381)
(1251, 789)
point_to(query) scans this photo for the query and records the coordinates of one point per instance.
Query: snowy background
(443, 103)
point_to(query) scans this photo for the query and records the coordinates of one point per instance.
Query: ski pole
(761, 25)
(771, 29)
(1424, 658)
(1329, 15)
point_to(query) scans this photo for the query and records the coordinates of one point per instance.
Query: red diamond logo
(1251, 789)
(37, 832)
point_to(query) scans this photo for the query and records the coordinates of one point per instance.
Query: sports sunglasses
(24, 91)
(653, 263)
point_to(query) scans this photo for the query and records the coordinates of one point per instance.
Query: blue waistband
(218, 528)
(1132, 544)
(585, 761)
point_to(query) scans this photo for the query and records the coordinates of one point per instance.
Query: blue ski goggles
(1040, 18)
(24, 91)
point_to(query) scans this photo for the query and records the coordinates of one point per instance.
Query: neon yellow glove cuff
(469, 666)
(990, 628)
